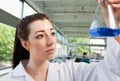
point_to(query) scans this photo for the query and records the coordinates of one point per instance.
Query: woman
(35, 45)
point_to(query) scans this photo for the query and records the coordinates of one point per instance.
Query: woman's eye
(53, 33)
(40, 36)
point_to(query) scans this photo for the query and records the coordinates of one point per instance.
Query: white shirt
(106, 70)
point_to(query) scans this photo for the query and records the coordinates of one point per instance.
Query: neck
(37, 66)
(37, 70)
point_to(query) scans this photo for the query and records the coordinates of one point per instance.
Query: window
(7, 34)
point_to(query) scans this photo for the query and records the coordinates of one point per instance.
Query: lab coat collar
(19, 70)
(53, 72)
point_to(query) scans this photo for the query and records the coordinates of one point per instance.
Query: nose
(50, 40)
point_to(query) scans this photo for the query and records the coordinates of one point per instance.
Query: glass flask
(98, 27)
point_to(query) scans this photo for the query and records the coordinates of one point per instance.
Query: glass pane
(14, 7)
(28, 10)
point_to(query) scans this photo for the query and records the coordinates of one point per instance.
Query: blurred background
(72, 20)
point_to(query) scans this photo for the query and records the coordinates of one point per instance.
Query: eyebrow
(44, 30)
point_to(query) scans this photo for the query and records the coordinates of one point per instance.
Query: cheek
(38, 46)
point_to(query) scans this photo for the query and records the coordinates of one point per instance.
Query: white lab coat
(106, 70)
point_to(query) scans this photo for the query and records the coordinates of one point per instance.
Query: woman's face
(41, 40)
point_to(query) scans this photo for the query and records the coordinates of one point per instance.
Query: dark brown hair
(22, 32)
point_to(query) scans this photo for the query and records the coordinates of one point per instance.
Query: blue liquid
(104, 32)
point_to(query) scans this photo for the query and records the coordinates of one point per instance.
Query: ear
(24, 44)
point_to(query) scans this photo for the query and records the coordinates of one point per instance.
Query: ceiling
(71, 17)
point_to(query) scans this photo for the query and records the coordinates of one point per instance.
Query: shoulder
(6, 77)
(69, 65)
(16, 74)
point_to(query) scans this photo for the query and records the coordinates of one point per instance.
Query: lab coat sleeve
(109, 68)
(106, 70)
(85, 72)
(112, 56)
(73, 71)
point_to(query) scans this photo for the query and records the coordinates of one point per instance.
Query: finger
(103, 4)
(117, 13)
(117, 6)
(113, 1)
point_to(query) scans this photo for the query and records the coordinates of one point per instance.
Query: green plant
(79, 41)
(7, 34)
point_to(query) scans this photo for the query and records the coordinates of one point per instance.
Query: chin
(50, 57)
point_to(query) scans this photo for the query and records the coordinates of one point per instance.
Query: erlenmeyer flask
(98, 27)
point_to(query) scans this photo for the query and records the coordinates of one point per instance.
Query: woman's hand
(116, 9)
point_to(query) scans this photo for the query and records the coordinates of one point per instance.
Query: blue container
(104, 32)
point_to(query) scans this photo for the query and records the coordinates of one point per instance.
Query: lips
(50, 51)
